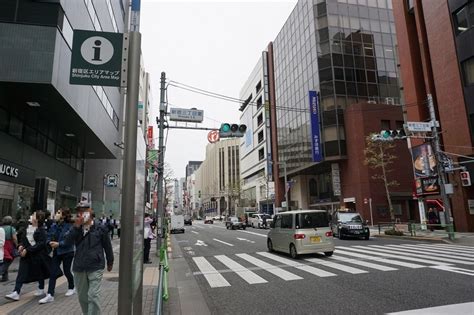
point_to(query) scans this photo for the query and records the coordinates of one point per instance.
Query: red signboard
(213, 136)
(150, 137)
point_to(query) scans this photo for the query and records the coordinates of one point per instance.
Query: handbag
(9, 250)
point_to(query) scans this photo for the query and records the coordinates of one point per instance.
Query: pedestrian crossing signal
(232, 130)
(465, 178)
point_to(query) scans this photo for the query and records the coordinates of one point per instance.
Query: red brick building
(436, 54)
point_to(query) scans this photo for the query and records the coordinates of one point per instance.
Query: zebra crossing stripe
(468, 272)
(292, 263)
(438, 253)
(466, 250)
(438, 250)
(244, 273)
(337, 266)
(364, 263)
(383, 249)
(380, 259)
(457, 247)
(277, 271)
(213, 277)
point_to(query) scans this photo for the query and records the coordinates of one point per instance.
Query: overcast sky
(211, 45)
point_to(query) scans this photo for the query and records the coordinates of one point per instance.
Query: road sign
(96, 58)
(213, 136)
(417, 126)
(111, 180)
(188, 115)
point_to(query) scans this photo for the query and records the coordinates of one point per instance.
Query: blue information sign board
(315, 133)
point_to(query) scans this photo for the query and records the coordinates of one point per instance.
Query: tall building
(345, 52)
(218, 178)
(255, 148)
(51, 131)
(437, 57)
(192, 167)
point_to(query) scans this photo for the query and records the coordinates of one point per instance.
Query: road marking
(363, 263)
(277, 271)
(199, 227)
(253, 233)
(463, 271)
(380, 259)
(437, 250)
(213, 277)
(438, 253)
(466, 250)
(249, 276)
(200, 243)
(383, 249)
(461, 308)
(187, 248)
(469, 249)
(228, 244)
(292, 263)
(374, 251)
(246, 240)
(337, 266)
(194, 232)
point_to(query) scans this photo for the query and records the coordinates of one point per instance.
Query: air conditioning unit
(372, 100)
(389, 101)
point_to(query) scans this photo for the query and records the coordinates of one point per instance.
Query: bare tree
(379, 157)
(168, 177)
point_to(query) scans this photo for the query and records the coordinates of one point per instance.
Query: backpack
(9, 250)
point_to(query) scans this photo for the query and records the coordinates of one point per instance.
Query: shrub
(394, 232)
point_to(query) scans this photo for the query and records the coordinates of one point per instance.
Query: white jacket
(2, 242)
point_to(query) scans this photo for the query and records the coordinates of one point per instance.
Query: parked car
(177, 223)
(349, 224)
(218, 218)
(208, 220)
(301, 232)
(234, 223)
(188, 220)
(256, 221)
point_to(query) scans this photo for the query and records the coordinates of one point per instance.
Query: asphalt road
(236, 274)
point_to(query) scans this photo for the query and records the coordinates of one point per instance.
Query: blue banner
(135, 5)
(315, 134)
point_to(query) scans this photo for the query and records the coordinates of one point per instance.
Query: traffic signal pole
(440, 167)
(161, 161)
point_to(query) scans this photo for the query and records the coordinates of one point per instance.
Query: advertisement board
(315, 132)
(424, 160)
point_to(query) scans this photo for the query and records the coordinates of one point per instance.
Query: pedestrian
(117, 223)
(91, 240)
(432, 218)
(148, 236)
(62, 253)
(264, 219)
(111, 226)
(2, 243)
(11, 243)
(35, 261)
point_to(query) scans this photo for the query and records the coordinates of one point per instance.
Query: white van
(301, 232)
(177, 223)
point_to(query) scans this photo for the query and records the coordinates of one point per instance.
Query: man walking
(91, 240)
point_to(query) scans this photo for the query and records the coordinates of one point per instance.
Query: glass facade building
(345, 50)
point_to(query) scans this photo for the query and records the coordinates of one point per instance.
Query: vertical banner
(315, 134)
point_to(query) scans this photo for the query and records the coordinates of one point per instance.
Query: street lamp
(286, 181)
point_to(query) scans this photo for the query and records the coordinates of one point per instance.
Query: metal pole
(161, 158)
(103, 194)
(371, 215)
(439, 166)
(286, 187)
(125, 293)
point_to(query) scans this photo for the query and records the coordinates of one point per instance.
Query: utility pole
(161, 161)
(440, 167)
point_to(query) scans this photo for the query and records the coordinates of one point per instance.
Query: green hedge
(394, 232)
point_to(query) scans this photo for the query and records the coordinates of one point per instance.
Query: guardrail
(412, 228)
(163, 294)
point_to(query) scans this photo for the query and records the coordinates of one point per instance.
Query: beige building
(218, 178)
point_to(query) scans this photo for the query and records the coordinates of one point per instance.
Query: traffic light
(390, 135)
(465, 178)
(199, 194)
(232, 130)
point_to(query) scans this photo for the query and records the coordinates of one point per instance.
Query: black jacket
(90, 247)
(36, 264)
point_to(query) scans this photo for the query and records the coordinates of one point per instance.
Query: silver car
(301, 232)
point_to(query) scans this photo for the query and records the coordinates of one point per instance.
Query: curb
(413, 238)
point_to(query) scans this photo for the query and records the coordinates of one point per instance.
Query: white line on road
(438, 253)
(200, 243)
(228, 244)
(468, 272)
(337, 266)
(300, 266)
(384, 249)
(213, 277)
(246, 240)
(244, 273)
(468, 250)
(379, 259)
(277, 271)
(462, 308)
(194, 232)
(363, 263)
(253, 233)
(427, 248)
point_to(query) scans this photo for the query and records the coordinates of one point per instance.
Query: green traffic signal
(225, 127)
(232, 130)
(385, 134)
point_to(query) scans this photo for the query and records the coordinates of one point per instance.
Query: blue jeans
(66, 259)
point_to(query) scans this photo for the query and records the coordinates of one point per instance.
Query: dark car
(188, 220)
(349, 224)
(234, 223)
(208, 220)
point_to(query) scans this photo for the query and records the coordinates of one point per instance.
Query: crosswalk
(263, 267)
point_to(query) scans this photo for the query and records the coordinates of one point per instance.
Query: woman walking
(34, 261)
(62, 253)
(10, 245)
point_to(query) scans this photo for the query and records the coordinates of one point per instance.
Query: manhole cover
(113, 279)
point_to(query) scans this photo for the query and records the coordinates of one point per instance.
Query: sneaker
(13, 296)
(70, 292)
(39, 292)
(47, 299)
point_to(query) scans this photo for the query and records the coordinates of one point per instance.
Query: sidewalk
(430, 236)
(28, 303)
